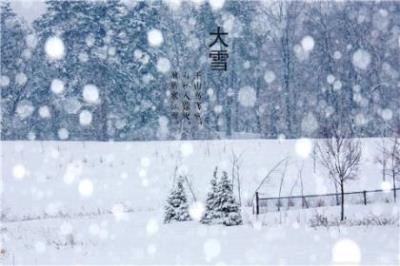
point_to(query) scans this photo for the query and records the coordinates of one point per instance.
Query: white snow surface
(141, 238)
(139, 174)
(102, 202)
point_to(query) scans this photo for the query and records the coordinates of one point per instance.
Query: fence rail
(266, 204)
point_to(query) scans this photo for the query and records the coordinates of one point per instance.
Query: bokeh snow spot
(303, 147)
(307, 43)
(90, 93)
(247, 96)
(155, 38)
(4, 81)
(269, 76)
(21, 79)
(163, 65)
(216, 4)
(361, 59)
(196, 210)
(54, 48)
(387, 114)
(44, 112)
(309, 124)
(63, 134)
(337, 85)
(152, 226)
(330, 79)
(57, 86)
(73, 171)
(19, 171)
(346, 251)
(386, 186)
(25, 109)
(85, 118)
(186, 149)
(85, 187)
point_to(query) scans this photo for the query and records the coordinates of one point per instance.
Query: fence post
(257, 205)
(365, 197)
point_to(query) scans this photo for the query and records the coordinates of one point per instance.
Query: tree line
(308, 64)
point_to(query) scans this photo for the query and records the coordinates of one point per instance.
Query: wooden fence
(266, 204)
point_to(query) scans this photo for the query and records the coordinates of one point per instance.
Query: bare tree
(236, 163)
(340, 155)
(389, 157)
(392, 166)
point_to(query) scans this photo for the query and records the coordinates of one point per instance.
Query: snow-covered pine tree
(229, 208)
(13, 76)
(177, 208)
(212, 213)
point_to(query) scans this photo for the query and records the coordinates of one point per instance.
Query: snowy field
(82, 177)
(140, 238)
(100, 203)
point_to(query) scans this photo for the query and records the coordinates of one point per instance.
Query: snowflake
(152, 226)
(196, 210)
(25, 109)
(72, 105)
(44, 112)
(386, 186)
(346, 251)
(186, 149)
(155, 38)
(63, 134)
(90, 93)
(54, 48)
(21, 79)
(330, 79)
(57, 86)
(19, 171)
(303, 147)
(85, 187)
(247, 96)
(361, 59)
(31, 41)
(163, 65)
(4, 81)
(307, 43)
(269, 76)
(216, 4)
(85, 118)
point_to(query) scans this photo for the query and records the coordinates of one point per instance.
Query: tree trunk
(342, 203)
(394, 184)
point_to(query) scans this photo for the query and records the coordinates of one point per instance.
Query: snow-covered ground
(101, 203)
(141, 238)
(82, 177)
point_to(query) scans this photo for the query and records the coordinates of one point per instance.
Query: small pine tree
(229, 208)
(177, 208)
(212, 214)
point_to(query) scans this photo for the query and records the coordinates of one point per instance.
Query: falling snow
(247, 96)
(54, 48)
(155, 38)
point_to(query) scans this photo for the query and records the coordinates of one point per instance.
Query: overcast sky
(29, 9)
